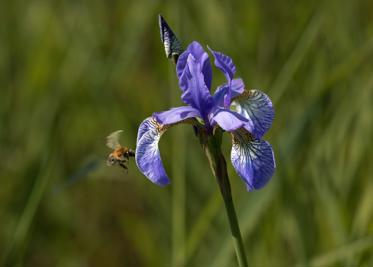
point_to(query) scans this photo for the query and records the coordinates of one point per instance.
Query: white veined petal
(147, 156)
(257, 107)
(253, 159)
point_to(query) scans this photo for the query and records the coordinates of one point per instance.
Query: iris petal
(201, 57)
(197, 94)
(237, 88)
(143, 128)
(175, 115)
(148, 158)
(253, 159)
(228, 120)
(225, 64)
(257, 107)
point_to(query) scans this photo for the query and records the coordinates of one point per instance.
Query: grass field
(71, 72)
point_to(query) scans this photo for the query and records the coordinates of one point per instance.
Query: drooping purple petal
(147, 156)
(253, 159)
(201, 57)
(175, 115)
(257, 107)
(228, 120)
(237, 88)
(196, 93)
(225, 64)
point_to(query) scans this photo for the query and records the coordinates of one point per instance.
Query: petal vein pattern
(256, 107)
(253, 159)
(147, 156)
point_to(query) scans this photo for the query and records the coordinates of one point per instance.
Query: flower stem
(218, 166)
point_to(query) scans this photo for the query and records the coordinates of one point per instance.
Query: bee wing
(112, 141)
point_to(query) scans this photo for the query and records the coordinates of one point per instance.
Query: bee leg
(124, 167)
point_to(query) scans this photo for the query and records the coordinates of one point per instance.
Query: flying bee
(120, 154)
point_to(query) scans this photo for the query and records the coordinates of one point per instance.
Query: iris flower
(246, 114)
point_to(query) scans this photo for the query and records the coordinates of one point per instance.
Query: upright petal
(253, 159)
(196, 93)
(225, 64)
(201, 57)
(175, 115)
(148, 158)
(257, 107)
(237, 88)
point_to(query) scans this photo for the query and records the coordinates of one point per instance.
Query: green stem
(218, 165)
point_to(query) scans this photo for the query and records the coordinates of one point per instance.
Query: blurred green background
(71, 72)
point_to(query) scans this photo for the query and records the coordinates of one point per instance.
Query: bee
(120, 154)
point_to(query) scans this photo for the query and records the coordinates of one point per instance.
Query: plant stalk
(218, 166)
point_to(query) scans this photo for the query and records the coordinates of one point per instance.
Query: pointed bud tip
(171, 43)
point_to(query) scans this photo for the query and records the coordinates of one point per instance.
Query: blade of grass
(351, 62)
(17, 247)
(201, 225)
(342, 253)
(295, 59)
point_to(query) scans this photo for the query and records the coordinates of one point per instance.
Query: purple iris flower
(246, 114)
